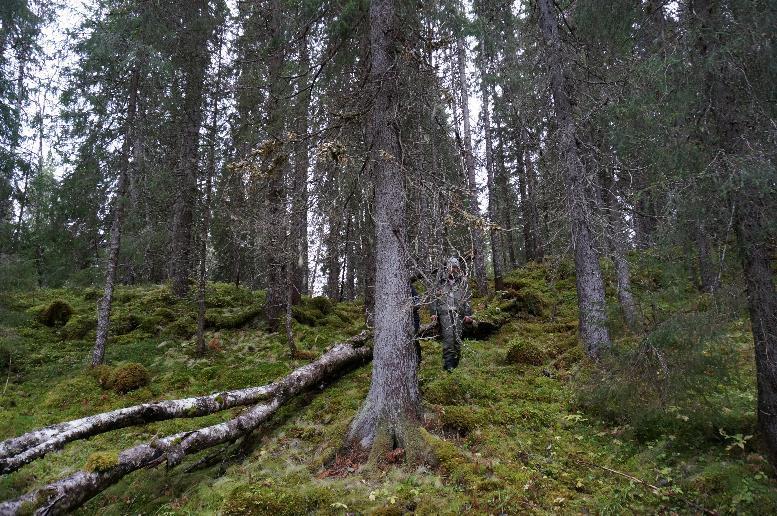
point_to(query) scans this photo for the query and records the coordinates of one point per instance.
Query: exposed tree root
(71, 492)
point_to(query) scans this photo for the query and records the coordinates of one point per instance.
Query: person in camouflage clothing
(451, 308)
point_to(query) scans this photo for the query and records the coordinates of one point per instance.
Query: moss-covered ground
(514, 428)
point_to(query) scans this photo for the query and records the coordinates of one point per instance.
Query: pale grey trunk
(590, 286)
(393, 404)
(493, 208)
(114, 245)
(478, 258)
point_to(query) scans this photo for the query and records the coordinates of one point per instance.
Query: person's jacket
(452, 296)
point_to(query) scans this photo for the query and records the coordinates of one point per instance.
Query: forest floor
(511, 426)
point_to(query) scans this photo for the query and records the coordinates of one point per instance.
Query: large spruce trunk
(194, 58)
(391, 413)
(276, 222)
(590, 287)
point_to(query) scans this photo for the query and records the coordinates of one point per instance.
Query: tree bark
(277, 218)
(194, 57)
(391, 413)
(299, 206)
(478, 259)
(69, 493)
(617, 242)
(590, 286)
(493, 208)
(104, 307)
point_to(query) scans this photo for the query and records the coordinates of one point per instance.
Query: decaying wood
(71, 492)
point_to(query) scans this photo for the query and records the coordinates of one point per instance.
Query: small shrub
(57, 313)
(101, 461)
(525, 352)
(129, 377)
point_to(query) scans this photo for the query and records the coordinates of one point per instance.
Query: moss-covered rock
(78, 327)
(55, 314)
(101, 461)
(129, 377)
(525, 352)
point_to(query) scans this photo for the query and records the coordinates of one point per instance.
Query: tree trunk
(590, 286)
(194, 55)
(210, 172)
(104, 307)
(391, 413)
(617, 242)
(493, 208)
(751, 198)
(299, 205)
(762, 305)
(478, 258)
(276, 220)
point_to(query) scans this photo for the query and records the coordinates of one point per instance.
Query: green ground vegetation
(525, 424)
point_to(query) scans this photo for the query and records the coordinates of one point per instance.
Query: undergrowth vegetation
(526, 424)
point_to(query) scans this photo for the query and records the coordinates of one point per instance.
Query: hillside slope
(519, 427)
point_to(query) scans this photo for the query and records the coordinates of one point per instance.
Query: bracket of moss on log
(71, 492)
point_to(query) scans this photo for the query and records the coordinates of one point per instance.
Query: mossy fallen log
(71, 492)
(18, 451)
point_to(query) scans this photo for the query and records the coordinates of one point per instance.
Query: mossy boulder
(262, 499)
(78, 327)
(101, 461)
(525, 352)
(129, 377)
(55, 314)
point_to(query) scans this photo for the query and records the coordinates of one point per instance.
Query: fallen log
(24, 449)
(71, 492)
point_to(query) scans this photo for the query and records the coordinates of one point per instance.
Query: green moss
(55, 314)
(458, 389)
(323, 304)
(99, 462)
(184, 327)
(461, 419)
(124, 323)
(257, 499)
(525, 352)
(129, 377)
(221, 319)
(104, 375)
(78, 327)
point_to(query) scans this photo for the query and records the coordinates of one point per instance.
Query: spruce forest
(388, 257)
